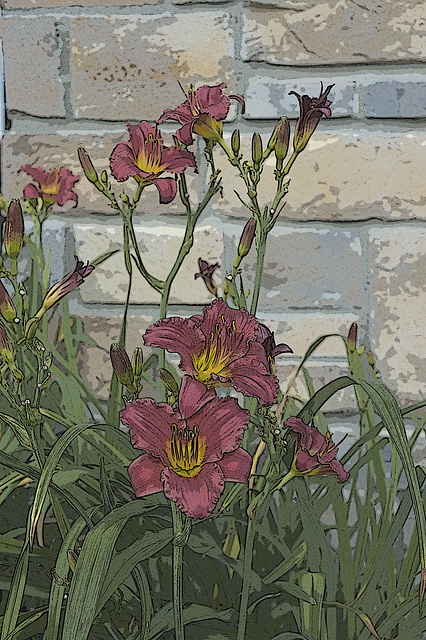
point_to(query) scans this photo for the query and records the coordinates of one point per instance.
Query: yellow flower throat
(216, 355)
(186, 451)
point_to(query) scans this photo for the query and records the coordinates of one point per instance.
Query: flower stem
(177, 573)
(261, 250)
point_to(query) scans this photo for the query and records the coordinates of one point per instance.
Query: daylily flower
(206, 273)
(219, 348)
(202, 112)
(145, 158)
(314, 454)
(65, 286)
(311, 112)
(190, 452)
(267, 340)
(54, 186)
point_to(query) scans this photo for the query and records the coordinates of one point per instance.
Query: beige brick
(63, 4)
(158, 246)
(341, 175)
(128, 67)
(334, 32)
(52, 150)
(94, 364)
(398, 305)
(300, 330)
(32, 50)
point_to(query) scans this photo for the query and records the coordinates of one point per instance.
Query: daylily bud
(87, 166)
(236, 142)
(7, 308)
(352, 336)
(125, 198)
(256, 149)
(370, 359)
(283, 139)
(247, 237)
(169, 381)
(137, 362)
(14, 230)
(208, 128)
(6, 353)
(31, 328)
(121, 364)
(104, 177)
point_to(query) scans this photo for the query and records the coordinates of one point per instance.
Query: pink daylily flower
(189, 453)
(145, 158)
(219, 348)
(202, 112)
(314, 454)
(62, 288)
(54, 186)
(311, 112)
(267, 340)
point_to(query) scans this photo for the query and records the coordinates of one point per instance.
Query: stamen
(234, 326)
(217, 327)
(212, 336)
(222, 317)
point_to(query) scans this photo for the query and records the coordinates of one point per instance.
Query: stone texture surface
(52, 150)
(395, 96)
(267, 97)
(398, 301)
(308, 268)
(63, 4)
(342, 175)
(157, 244)
(137, 62)
(334, 32)
(32, 49)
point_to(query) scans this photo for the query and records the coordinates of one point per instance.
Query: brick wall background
(351, 242)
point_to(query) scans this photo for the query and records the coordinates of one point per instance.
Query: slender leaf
(164, 621)
(16, 593)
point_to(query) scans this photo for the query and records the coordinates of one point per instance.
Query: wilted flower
(219, 348)
(201, 113)
(190, 452)
(311, 112)
(267, 340)
(14, 230)
(54, 186)
(7, 308)
(65, 286)
(206, 273)
(145, 158)
(314, 454)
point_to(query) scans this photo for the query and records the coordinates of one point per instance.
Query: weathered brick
(62, 4)
(53, 150)
(334, 32)
(390, 96)
(342, 175)
(158, 246)
(268, 97)
(300, 330)
(32, 50)
(128, 67)
(398, 302)
(308, 268)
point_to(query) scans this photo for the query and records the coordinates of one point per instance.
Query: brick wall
(351, 242)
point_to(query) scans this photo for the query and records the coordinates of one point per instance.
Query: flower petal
(139, 133)
(122, 162)
(177, 335)
(177, 160)
(236, 465)
(145, 475)
(222, 423)
(195, 496)
(30, 191)
(193, 396)
(184, 134)
(166, 188)
(38, 174)
(213, 101)
(150, 425)
(182, 114)
(342, 474)
(249, 378)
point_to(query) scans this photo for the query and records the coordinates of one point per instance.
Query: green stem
(261, 250)
(177, 574)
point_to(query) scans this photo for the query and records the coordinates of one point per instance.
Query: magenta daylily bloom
(202, 112)
(54, 186)
(314, 454)
(62, 288)
(190, 452)
(311, 112)
(145, 158)
(267, 340)
(219, 348)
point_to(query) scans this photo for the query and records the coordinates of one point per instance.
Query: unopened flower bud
(137, 362)
(169, 381)
(7, 308)
(236, 142)
(352, 337)
(283, 139)
(31, 328)
(247, 237)
(6, 353)
(87, 166)
(104, 177)
(256, 149)
(121, 364)
(370, 359)
(125, 198)
(14, 230)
